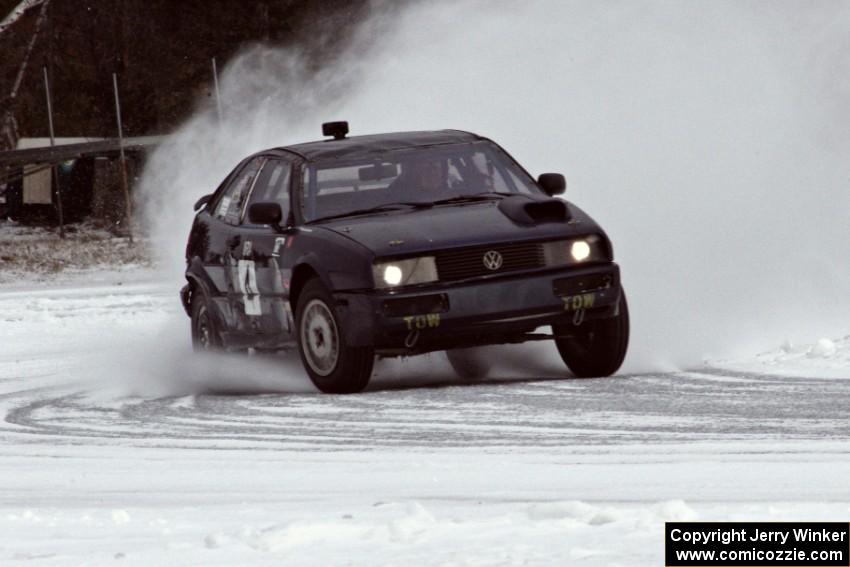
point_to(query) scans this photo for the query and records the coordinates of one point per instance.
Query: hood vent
(528, 211)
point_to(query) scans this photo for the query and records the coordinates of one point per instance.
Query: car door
(235, 281)
(265, 260)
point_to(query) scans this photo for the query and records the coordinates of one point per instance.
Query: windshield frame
(506, 166)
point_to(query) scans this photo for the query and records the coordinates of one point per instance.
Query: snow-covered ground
(709, 145)
(118, 443)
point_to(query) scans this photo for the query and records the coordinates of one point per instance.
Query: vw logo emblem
(492, 260)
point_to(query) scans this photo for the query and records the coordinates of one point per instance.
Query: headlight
(574, 251)
(392, 274)
(405, 272)
(580, 250)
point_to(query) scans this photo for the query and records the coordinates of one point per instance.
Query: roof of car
(362, 146)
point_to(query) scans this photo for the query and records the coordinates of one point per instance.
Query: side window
(488, 176)
(273, 185)
(230, 205)
(520, 184)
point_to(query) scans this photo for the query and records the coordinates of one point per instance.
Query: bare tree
(9, 126)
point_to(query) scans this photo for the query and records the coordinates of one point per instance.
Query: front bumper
(476, 312)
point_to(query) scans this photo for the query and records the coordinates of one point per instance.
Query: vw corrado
(399, 244)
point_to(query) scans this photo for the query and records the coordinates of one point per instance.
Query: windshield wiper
(484, 196)
(386, 207)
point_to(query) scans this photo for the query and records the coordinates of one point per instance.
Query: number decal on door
(248, 282)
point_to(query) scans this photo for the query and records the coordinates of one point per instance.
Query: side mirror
(200, 203)
(266, 213)
(552, 183)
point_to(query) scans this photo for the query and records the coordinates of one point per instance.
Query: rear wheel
(596, 347)
(205, 337)
(333, 366)
(470, 364)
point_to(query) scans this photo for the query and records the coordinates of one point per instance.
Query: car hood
(415, 231)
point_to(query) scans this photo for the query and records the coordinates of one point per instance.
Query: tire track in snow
(670, 408)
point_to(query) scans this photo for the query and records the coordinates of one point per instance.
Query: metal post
(128, 211)
(217, 92)
(54, 183)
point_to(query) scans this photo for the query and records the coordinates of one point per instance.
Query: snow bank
(399, 532)
(385, 533)
(36, 254)
(825, 358)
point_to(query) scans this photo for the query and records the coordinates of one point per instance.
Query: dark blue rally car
(395, 245)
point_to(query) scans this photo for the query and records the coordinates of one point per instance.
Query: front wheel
(333, 366)
(596, 347)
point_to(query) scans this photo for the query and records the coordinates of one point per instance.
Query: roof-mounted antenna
(336, 129)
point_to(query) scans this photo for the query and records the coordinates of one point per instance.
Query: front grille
(469, 263)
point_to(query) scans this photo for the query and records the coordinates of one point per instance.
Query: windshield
(424, 175)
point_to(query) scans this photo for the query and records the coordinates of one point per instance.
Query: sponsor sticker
(577, 302)
(420, 322)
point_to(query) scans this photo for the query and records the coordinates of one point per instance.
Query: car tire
(596, 348)
(205, 337)
(333, 366)
(470, 364)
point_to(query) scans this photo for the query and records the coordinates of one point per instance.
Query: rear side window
(273, 185)
(230, 205)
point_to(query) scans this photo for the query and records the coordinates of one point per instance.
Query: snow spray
(709, 140)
